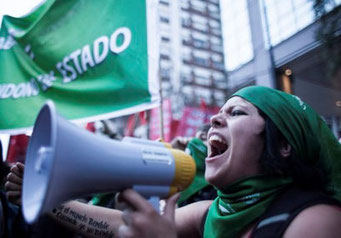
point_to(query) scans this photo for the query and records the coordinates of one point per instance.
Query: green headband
(304, 129)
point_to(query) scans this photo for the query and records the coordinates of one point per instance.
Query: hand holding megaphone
(64, 162)
(13, 184)
(139, 221)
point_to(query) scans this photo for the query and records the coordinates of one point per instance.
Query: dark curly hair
(272, 162)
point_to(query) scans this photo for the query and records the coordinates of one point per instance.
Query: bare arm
(189, 218)
(88, 220)
(320, 221)
(144, 221)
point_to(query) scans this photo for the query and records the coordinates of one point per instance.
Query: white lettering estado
(80, 60)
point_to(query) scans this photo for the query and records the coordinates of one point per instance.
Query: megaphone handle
(155, 202)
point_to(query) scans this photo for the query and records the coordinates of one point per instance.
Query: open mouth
(218, 145)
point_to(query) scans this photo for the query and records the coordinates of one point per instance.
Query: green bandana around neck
(304, 129)
(241, 203)
(198, 150)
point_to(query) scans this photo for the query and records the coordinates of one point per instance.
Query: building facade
(192, 68)
(281, 50)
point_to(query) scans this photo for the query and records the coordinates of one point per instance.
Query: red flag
(142, 117)
(203, 105)
(17, 148)
(129, 131)
(90, 127)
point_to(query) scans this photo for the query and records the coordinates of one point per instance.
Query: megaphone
(64, 162)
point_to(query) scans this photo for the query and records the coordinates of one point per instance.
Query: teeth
(217, 138)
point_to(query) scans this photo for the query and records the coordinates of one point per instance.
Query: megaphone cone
(64, 162)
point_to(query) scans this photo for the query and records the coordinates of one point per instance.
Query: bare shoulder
(316, 221)
(188, 218)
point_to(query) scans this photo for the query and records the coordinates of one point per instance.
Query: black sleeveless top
(283, 210)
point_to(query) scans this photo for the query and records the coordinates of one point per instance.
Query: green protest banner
(94, 59)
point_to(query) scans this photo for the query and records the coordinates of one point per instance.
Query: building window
(187, 91)
(185, 18)
(165, 64)
(200, 40)
(165, 51)
(186, 35)
(164, 29)
(165, 39)
(202, 81)
(164, 2)
(184, 4)
(216, 44)
(186, 74)
(164, 11)
(164, 19)
(236, 33)
(203, 94)
(166, 86)
(201, 58)
(201, 72)
(219, 80)
(200, 26)
(186, 53)
(216, 31)
(217, 57)
(220, 97)
(213, 9)
(201, 61)
(214, 24)
(285, 18)
(199, 6)
(165, 73)
(200, 23)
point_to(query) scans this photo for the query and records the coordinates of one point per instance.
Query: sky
(17, 8)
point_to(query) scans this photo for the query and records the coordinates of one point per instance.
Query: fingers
(16, 174)
(13, 185)
(132, 224)
(14, 197)
(125, 232)
(13, 194)
(144, 220)
(21, 167)
(169, 211)
(17, 169)
(127, 217)
(135, 200)
(14, 178)
(9, 186)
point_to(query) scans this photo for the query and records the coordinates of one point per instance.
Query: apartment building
(191, 53)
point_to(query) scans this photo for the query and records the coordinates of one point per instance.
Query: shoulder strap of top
(202, 224)
(285, 208)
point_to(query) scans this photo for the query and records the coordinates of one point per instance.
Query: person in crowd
(196, 146)
(12, 224)
(17, 227)
(181, 142)
(276, 166)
